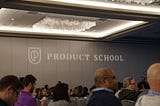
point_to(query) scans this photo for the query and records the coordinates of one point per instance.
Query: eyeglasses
(132, 83)
(111, 77)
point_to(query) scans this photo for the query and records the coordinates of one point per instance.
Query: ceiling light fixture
(40, 31)
(64, 24)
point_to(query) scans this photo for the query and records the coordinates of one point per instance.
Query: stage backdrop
(73, 62)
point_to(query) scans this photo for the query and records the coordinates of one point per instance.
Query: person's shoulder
(148, 100)
(155, 97)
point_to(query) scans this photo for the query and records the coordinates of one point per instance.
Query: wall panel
(73, 62)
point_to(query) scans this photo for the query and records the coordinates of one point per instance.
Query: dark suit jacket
(103, 98)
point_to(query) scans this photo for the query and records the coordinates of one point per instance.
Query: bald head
(153, 76)
(154, 71)
(101, 74)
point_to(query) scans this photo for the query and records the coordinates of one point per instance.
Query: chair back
(127, 103)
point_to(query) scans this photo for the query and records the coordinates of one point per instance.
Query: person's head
(142, 85)
(105, 77)
(85, 91)
(91, 88)
(46, 86)
(9, 89)
(51, 90)
(153, 76)
(61, 92)
(78, 91)
(29, 83)
(43, 92)
(129, 83)
(120, 85)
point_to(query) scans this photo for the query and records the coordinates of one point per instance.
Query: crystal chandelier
(64, 24)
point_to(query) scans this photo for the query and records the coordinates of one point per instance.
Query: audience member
(42, 93)
(46, 86)
(143, 88)
(42, 96)
(25, 98)
(37, 93)
(120, 86)
(50, 93)
(91, 88)
(9, 90)
(103, 94)
(153, 96)
(61, 96)
(128, 90)
(78, 96)
(77, 91)
(47, 89)
(85, 92)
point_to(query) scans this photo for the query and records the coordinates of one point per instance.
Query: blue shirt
(153, 93)
(25, 99)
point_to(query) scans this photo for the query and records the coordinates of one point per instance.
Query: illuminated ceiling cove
(95, 19)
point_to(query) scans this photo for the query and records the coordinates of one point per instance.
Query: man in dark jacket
(103, 95)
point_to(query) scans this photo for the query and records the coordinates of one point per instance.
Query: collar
(153, 93)
(24, 92)
(100, 89)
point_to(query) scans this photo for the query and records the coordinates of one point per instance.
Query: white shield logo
(34, 55)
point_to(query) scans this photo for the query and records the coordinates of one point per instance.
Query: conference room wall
(14, 59)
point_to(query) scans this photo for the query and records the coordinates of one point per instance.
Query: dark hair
(46, 86)
(120, 85)
(10, 80)
(143, 84)
(61, 92)
(85, 91)
(29, 79)
(78, 91)
(92, 87)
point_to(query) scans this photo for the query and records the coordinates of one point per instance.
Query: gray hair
(126, 81)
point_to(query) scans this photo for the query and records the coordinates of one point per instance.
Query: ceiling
(26, 13)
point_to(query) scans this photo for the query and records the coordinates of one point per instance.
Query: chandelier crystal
(64, 24)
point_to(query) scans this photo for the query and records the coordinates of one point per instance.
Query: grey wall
(14, 60)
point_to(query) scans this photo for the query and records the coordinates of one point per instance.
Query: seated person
(61, 96)
(128, 90)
